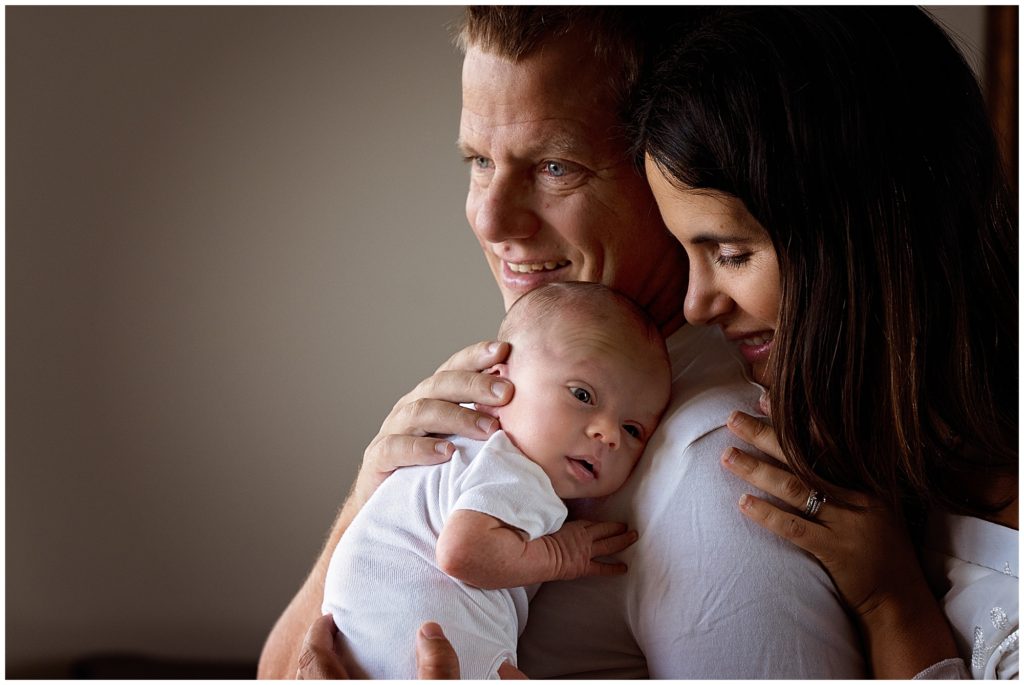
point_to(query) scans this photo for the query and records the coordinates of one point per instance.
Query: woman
(834, 180)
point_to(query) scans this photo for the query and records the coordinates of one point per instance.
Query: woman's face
(734, 273)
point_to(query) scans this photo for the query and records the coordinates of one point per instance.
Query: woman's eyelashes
(732, 260)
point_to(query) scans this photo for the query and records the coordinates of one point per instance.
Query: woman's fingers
(435, 657)
(756, 432)
(768, 477)
(803, 533)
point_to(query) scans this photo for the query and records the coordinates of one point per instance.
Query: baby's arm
(482, 551)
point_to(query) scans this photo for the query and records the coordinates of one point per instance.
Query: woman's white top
(973, 566)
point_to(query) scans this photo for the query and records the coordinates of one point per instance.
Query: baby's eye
(582, 394)
(632, 430)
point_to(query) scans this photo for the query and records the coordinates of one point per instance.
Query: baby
(466, 543)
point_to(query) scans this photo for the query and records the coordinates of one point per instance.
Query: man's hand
(322, 657)
(408, 435)
(406, 438)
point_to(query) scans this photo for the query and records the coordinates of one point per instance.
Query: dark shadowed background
(235, 236)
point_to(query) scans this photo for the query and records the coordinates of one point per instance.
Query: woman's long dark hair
(858, 138)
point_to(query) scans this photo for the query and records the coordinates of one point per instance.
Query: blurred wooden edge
(1001, 82)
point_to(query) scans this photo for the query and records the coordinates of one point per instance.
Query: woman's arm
(482, 551)
(867, 553)
(406, 438)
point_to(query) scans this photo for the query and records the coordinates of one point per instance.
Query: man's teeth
(527, 268)
(756, 340)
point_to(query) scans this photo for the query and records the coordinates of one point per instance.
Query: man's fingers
(435, 657)
(758, 433)
(464, 386)
(426, 416)
(317, 658)
(395, 451)
(477, 357)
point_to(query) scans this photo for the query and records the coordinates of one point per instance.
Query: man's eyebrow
(556, 146)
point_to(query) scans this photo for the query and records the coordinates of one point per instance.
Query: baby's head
(591, 378)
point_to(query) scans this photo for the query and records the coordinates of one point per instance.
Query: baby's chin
(584, 507)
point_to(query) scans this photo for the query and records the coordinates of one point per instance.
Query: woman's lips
(755, 348)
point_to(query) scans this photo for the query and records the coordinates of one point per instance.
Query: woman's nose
(502, 211)
(704, 302)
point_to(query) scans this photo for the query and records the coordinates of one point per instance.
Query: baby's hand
(576, 545)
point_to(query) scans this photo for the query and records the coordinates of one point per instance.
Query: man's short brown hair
(619, 36)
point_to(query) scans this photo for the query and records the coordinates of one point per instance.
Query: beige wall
(234, 238)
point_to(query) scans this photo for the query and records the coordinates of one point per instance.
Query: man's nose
(504, 210)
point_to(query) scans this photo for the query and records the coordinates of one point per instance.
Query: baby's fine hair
(586, 301)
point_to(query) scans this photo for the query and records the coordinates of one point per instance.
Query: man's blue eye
(581, 394)
(555, 169)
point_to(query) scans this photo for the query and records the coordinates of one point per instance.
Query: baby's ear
(499, 370)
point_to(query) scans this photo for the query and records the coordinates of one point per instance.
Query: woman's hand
(408, 435)
(322, 657)
(867, 553)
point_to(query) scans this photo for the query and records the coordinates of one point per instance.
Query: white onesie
(383, 581)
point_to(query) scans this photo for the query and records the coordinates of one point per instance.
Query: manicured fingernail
(442, 448)
(499, 390)
(431, 631)
(745, 501)
(487, 425)
(730, 455)
(736, 418)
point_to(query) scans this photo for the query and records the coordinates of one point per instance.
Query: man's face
(553, 195)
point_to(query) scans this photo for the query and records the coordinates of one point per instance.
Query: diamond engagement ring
(814, 502)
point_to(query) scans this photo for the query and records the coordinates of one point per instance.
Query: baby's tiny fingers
(599, 530)
(598, 568)
(614, 544)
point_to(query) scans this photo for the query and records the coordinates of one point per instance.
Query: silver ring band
(814, 502)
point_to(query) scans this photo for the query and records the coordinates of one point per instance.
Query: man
(554, 196)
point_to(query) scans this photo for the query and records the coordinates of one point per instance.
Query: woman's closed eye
(732, 260)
